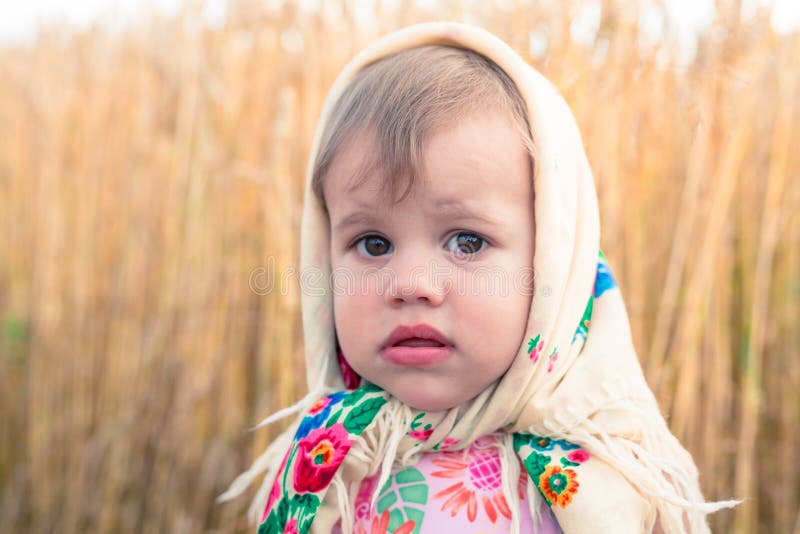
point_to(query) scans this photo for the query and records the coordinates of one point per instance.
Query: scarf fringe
(375, 451)
(509, 477)
(345, 504)
(294, 408)
(270, 460)
(657, 466)
(396, 423)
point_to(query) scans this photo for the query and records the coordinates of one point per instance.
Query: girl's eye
(466, 243)
(373, 245)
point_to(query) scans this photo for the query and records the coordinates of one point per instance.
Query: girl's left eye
(466, 243)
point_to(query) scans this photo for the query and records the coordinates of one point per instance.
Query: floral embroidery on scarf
(558, 486)
(583, 327)
(275, 494)
(291, 515)
(551, 359)
(318, 414)
(318, 456)
(604, 279)
(418, 431)
(542, 443)
(535, 346)
(446, 444)
(575, 458)
(421, 435)
(320, 445)
(557, 483)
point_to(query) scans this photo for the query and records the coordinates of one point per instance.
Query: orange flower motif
(480, 484)
(558, 485)
(380, 525)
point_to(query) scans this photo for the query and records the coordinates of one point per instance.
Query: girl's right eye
(373, 245)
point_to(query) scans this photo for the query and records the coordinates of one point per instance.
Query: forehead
(468, 161)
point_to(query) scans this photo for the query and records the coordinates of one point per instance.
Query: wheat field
(146, 174)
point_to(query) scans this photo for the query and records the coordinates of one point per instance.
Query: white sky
(19, 18)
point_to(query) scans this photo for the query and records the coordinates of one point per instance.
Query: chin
(429, 403)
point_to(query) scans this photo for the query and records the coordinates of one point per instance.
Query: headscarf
(576, 377)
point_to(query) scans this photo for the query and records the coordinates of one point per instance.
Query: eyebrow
(357, 217)
(444, 210)
(457, 210)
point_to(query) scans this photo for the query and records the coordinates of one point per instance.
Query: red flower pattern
(291, 527)
(320, 405)
(535, 347)
(276, 488)
(578, 456)
(552, 361)
(421, 435)
(318, 456)
(380, 525)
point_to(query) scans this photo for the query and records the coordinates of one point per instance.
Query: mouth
(418, 342)
(418, 335)
(416, 345)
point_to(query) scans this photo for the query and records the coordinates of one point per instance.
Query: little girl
(468, 351)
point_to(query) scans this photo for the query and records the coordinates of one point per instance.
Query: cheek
(354, 314)
(349, 278)
(358, 302)
(497, 322)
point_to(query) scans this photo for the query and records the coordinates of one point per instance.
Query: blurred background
(152, 159)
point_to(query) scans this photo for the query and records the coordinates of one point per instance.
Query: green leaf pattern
(405, 496)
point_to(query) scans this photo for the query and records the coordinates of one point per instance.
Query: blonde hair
(401, 98)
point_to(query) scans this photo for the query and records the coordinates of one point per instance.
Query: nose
(413, 282)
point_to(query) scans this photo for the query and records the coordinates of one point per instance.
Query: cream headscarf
(586, 389)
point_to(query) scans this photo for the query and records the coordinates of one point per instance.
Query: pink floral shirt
(444, 492)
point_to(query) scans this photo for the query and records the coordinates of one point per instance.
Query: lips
(418, 342)
(418, 335)
(416, 345)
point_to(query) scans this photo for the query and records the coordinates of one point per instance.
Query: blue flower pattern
(604, 279)
(311, 422)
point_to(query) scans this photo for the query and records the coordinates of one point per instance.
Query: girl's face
(452, 261)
